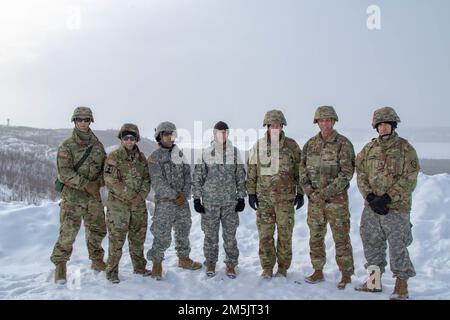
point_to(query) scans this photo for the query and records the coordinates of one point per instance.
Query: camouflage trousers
(393, 228)
(71, 215)
(275, 213)
(122, 220)
(336, 213)
(167, 216)
(211, 220)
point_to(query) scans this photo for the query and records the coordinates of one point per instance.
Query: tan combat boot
(188, 263)
(282, 271)
(267, 273)
(400, 290)
(98, 265)
(61, 273)
(156, 270)
(346, 278)
(316, 277)
(211, 270)
(231, 272)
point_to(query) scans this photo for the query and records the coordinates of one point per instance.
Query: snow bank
(28, 233)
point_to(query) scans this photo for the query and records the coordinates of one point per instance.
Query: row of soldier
(387, 169)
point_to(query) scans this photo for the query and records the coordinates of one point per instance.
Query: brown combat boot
(267, 273)
(210, 270)
(156, 270)
(346, 278)
(188, 263)
(316, 277)
(98, 265)
(113, 277)
(61, 273)
(281, 272)
(231, 272)
(400, 290)
(144, 272)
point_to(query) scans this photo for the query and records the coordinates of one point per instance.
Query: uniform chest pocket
(330, 160)
(286, 162)
(376, 162)
(213, 170)
(330, 169)
(167, 169)
(394, 163)
(330, 154)
(229, 169)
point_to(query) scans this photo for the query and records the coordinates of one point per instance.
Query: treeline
(30, 178)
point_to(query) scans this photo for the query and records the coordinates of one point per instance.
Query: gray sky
(150, 61)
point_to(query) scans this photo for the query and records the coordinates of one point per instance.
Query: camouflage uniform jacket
(69, 153)
(388, 166)
(272, 175)
(127, 175)
(219, 177)
(327, 165)
(170, 174)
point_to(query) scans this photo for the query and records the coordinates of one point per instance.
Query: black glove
(379, 204)
(240, 205)
(253, 201)
(198, 206)
(370, 197)
(299, 201)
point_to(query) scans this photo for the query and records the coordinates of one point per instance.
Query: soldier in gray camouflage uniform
(219, 192)
(387, 170)
(171, 180)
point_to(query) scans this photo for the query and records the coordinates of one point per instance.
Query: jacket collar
(331, 138)
(80, 142)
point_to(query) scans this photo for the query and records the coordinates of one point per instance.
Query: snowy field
(27, 235)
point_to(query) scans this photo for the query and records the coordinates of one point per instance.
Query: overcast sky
(150, 61)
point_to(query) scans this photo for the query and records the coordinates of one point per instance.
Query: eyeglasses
(129, 137)
(83, 120)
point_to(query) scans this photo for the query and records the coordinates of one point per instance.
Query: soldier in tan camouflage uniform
(327, 166)
(272, 179)
(171, 179)
(387, 170)
(219, 192)
(80, 197)
(128, 181)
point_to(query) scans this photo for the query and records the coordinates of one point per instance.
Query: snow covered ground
(27, 235)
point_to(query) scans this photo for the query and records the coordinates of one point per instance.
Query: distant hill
(435, 166)
(28, 160)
